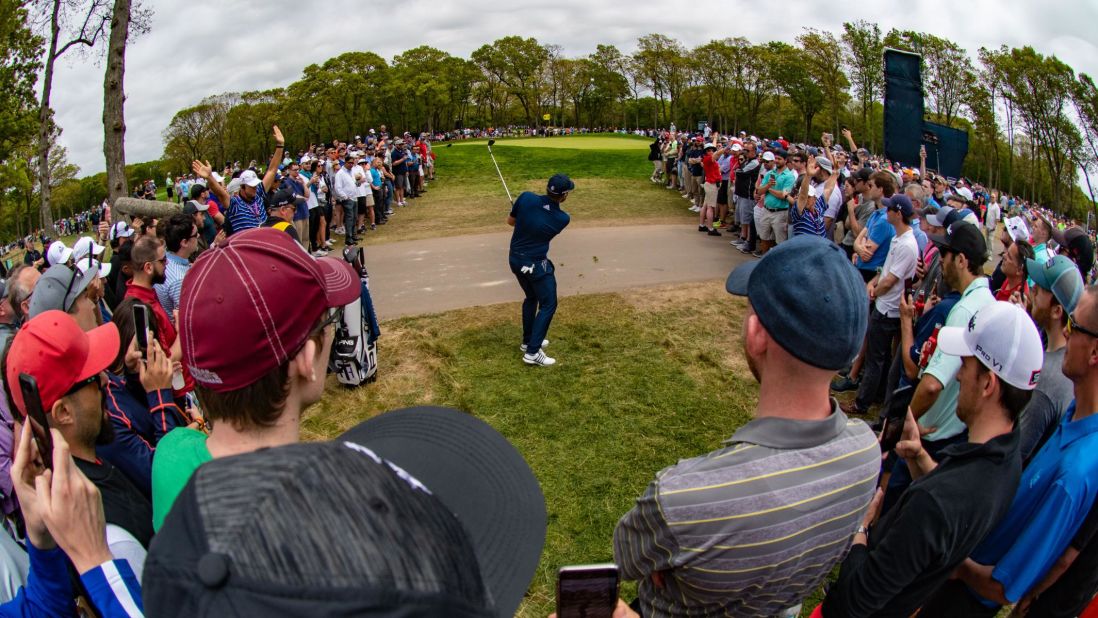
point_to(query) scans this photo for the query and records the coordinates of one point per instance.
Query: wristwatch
(862, 530)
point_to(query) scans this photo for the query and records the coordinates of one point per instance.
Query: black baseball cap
(964, 238)
(417, 512)
(560, 184)
(285, 197)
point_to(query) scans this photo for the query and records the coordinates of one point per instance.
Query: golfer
(537, 219)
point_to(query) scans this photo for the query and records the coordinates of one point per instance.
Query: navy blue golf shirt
(537, 220)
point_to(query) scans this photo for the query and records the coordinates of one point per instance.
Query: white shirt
(345, 188)
(123, 546)
(903, 257)
(834, 201)
(363, 184)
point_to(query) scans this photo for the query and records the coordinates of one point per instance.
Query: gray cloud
(199, 48)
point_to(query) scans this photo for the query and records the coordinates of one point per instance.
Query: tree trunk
(114, 98)
(44, 123)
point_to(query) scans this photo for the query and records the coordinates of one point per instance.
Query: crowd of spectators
(175, 483)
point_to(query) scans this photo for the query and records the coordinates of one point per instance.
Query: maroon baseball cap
(247, 306)
(52, 349)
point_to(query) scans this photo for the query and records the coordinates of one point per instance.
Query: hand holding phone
(895, 417)
(36, 419)
(587, 591)
(141, 328)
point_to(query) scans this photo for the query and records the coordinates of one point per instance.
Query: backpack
(354, 351)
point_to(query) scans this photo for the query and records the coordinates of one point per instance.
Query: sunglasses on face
(1073, 327)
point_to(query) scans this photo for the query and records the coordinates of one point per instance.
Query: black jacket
(935, 525)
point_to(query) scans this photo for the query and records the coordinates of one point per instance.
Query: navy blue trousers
(539, 283)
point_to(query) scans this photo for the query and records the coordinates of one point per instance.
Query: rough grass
(644, 378)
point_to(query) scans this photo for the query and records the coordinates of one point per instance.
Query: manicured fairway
(579, 142)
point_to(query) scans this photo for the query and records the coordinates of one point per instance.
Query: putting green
(577, 142)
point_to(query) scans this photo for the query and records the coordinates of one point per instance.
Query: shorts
(773, 226)
(370, 199)
(745, 209)
(400, 181)
(710, 189)
(722, 193)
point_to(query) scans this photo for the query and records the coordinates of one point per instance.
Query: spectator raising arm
(205, 170)
(276, 160)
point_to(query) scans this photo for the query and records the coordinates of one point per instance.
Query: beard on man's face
(106, 429)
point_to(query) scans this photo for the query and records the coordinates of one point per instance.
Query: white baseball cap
(58, 253)
(736, 147)
(1002, 337)
(85, 245)
(248, 177)
(768, 156)
(1017, 228)
(104, 268)
(121, 230)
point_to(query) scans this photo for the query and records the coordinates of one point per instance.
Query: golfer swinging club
(537, 219)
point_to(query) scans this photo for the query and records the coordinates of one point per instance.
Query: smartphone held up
(36, 418)
(587, 591)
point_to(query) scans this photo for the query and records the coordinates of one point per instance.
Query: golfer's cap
(800, 284)
(249, 177)
(426, 507)
(58, 253)
(768, 156)
(560, 184)
(1060, 276)
(1002, 337)
(85, 245)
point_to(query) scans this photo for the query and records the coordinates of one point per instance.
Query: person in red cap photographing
(69, 366)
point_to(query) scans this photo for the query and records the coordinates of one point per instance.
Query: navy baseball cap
(810, 299)
(560, 184)
(901, 203)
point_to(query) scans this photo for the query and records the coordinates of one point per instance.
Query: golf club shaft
(508, 191)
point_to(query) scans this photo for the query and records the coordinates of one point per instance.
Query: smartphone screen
(587, 591)
(141, 328)
(895, 417)
(36, 418)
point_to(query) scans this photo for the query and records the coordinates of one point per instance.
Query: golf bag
(354, 351)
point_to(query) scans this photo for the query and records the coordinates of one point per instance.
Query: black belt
(776, 209)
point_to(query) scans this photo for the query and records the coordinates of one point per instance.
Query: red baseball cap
(247, 306)
(53, 349)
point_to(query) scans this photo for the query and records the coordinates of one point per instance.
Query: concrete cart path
(439, 274)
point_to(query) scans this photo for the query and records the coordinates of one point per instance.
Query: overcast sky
(199, 47)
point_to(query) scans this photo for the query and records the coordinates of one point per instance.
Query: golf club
(509, 199)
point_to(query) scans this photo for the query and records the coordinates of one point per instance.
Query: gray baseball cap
(58, 289)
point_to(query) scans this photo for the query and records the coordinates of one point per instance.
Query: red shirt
(165, 330)
(711, 169)
(1005, 291)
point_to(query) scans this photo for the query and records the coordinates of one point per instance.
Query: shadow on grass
(644, 378)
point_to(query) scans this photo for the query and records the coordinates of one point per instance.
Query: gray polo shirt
(752, 528)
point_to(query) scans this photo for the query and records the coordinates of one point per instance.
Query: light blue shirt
(168, 292)
(944, 367)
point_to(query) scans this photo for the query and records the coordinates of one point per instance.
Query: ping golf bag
(354, 351)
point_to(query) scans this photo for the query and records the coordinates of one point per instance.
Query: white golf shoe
(538, 359)
(544, 343)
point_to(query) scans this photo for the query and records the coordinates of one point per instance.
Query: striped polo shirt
(248, 215)
(753, 528)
